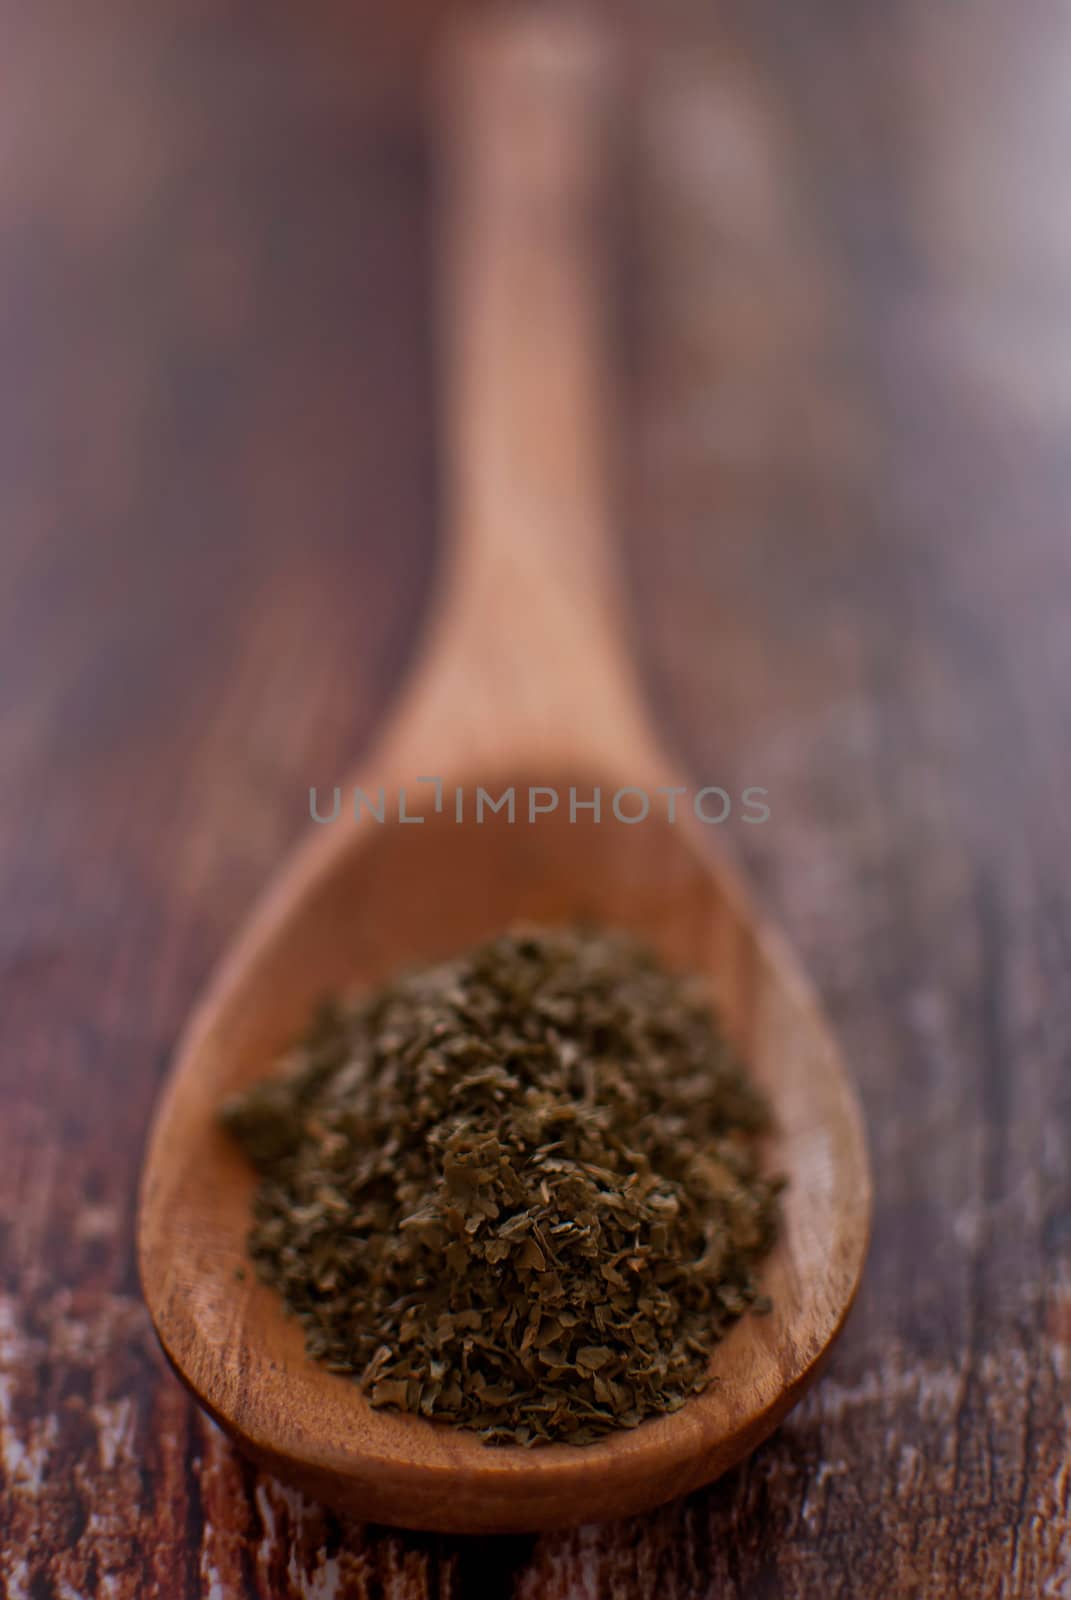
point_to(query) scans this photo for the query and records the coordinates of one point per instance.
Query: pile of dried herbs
(517, 1191)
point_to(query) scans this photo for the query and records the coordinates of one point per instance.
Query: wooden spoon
(525, 683)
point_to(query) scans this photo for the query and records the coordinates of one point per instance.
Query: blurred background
(845, 328)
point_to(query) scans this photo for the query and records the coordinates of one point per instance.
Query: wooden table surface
(848, 324)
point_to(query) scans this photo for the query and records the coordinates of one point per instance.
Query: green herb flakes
(517, 1191)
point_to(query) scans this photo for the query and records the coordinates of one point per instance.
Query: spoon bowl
(529, 582)
(366, 905)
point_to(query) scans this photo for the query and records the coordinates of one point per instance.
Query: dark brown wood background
(849, 550)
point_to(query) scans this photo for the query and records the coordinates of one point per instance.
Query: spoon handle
(527, 635)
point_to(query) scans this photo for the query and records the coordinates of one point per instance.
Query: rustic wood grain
(851, 570)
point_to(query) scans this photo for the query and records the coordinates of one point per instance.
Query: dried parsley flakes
(517, 1191)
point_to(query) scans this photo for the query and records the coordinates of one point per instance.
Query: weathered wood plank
(848, 548)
